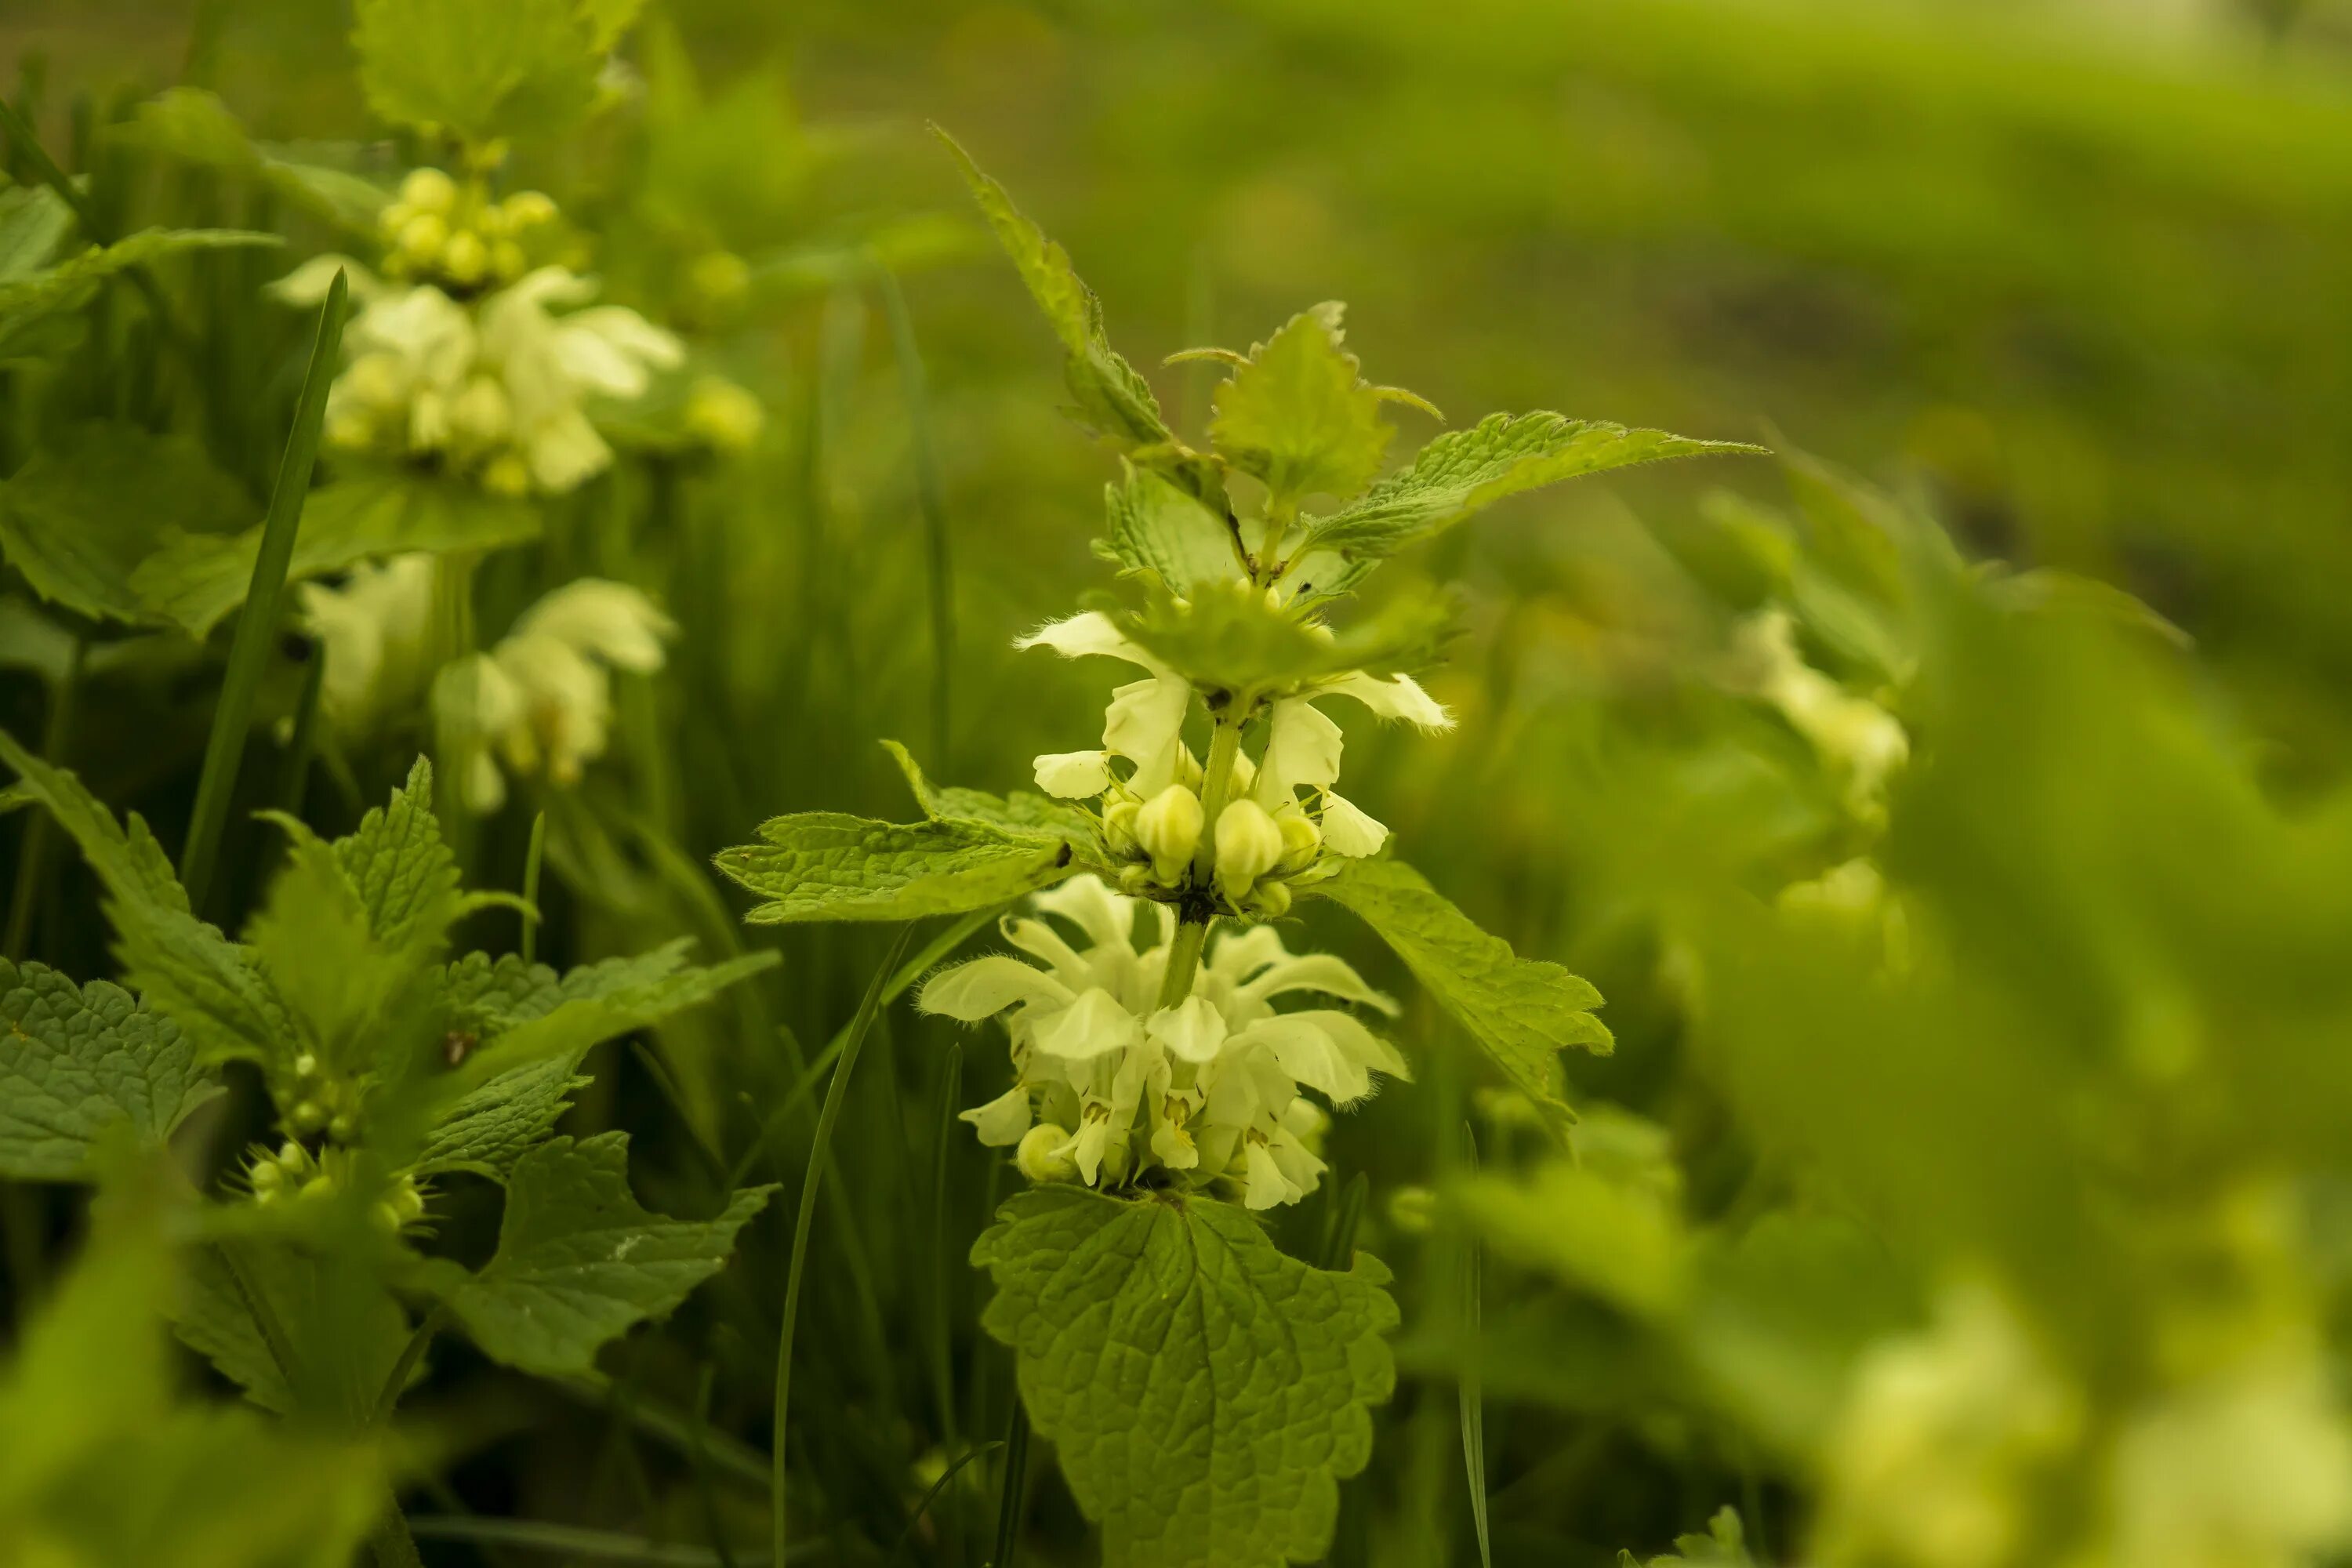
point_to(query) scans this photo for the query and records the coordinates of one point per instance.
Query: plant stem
(33, 852)
(1192, 934)
(249, 649)
(294, 773)
(530, 864)
(860, 1027)
(931, 497)
(1016, 1485)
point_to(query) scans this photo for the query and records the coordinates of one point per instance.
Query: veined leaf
(78, 1062)
(88, 507)
(1154, 526)
(1205, 1393)
(1299, 416)
(208, 984)
(1022, 812)
(403, 875)
(346, 1328)
(1226, 637)
(192, 580)
(1112, 396)
(1521, 1011)
(523, 1014)
(487, 1130)
(516, 66)
(1464, 471)
(579, 1262)
(827, 865)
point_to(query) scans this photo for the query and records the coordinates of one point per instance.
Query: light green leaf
(1724, 1545)
(31, 298)
(1464, 471)
(579, 1262)
(180, 965)
(197, 127)
(342, 987)
(1521, 1011)
(1621, 1241)
(403, 875)
(1155, 527)
(487, 1130)
(1024, 811)
(1299, 416)
(1205, 1393)
(1226, 638)
(91, 504)
(1112, 396)
(523, 1014)
(76, 1063)
(346, 1330)
(828, 865)
(33, 220)
(192, 579)
(518, 67)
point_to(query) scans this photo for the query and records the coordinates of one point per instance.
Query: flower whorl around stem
(1116, 1091)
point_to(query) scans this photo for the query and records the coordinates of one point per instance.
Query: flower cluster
(1116, 1090)
(1267, 834)
(293, 1173)
(456, 237)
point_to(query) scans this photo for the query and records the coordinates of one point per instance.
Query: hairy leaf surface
(827, 865)
(78, 1062)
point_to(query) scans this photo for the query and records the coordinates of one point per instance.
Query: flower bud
(526, 209)
(1412, 1209)
(727, 417)
(1168, 828)
(421, 237)
(343, 1129)
(720, 277)
(408, 1203)
(1301, 840)
(1271, 899)
(1118, 825)
(466, 259)
(507, 475)
(1244, 774)
(507, 261)
(266, 1177)
(428, 191)
(387, 1218)
(309, 1116)
(481, 417)
(1135, 879)
(1248, 845)
(1189, 771)
(1041, 1156)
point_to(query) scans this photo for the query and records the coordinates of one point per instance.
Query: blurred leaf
(579, 1262)
(1620, 1242)
(1521, 1012)
(76, 1063)
(525, 1013)
(92, 502)
(826, 866)
(1297, 415)
(1724, 1544)
(195, 126)
(1226, 638)
(33, 221)
(1204, 1393)
(1022, 812)
(30, 299)
(518, 68)
(346, 1331)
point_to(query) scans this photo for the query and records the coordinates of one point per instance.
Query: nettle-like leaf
(487, 1130)
(89, 506)
(1299, 416)
(1024, 811)
(192, 580)
(828, 865)
(1152, 526)
(1521, 1011)
(1205, 1393)
(30, 300)
(1724, 1545)
(519, 66)
(344, 1324)
(179, 965)
(403, 876)
(1112, 396)
(78, 1064)
(579, 1262)
(1463, 471)
(1226, 638)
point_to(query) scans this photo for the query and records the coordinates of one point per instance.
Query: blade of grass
(572, 1541)
(930, 498)
(257, 625)
(33, 852)
(1474, 1406)
(294, 771)
(531, 861)
(943, 1368)
(665, 1425)
(1347, 1212)
(932, 1496)
(1015, 1491)
(859, 1028)
(707, 1495)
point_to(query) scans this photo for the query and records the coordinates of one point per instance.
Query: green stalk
(899, 1549)
(248, 651)
(1016, 1485)
(294, 772)
(931, 497)
(33, 853)
(1192, 935)
(532, 860)
(837, 1091)
(568, 1540)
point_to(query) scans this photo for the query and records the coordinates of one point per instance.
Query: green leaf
(1225, 637)
(1155, 527)
(1463, 471)
(1205, 1393)
(1521, 1011)
(30, 300)
(1725, 1545)
(828, 865)
(180, 965)
(1299, 416)
(1024, 811)
(518, 67)
(487, 1130)
(75, 1064)
(192, 580)
(342, 987)
(33, 221)
(1621, 1241)
(1112, 397)
(195, 126)
(403, 875)
(522, 1012)
(89, 505)
(579, 1262)
(346, 1330)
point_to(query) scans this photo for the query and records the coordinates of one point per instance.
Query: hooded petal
(1395, 697)
(1002, 1120)
(1093, 1026)
(1358, 1044)
(1145, 725)
(1302, 747)
(1108, 919)
(1266, 1186)
(1193, 1032)
(1350, 832)
(1314, 972)
(1090, 633)
(608, 620)
(1305, 1050)
(1041, 941)
(1073, 775)
(986, 986)
(1237, 955)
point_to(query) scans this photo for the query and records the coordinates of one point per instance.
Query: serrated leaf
(192, 580)
(579, 1262)
(829, 866)
(524, 1014)
(1205, 1393)
(1724, 1545)
(344, 1326)
(31, 298)
(90, 505)
(1464, 471)
(519, 66)
(78, 1062)
(487, 1130)
(342, 987)
(1022, 812)
(1300, 416)
(1521, 1011)
(1111, 395)
(1153, 526)
(180, 965)
(404, 875)
(1226, 638)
